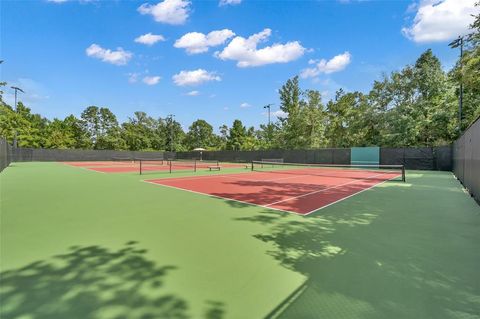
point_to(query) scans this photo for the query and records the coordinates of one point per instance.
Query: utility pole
(16, 89)
(171, 117)
(455, 44)
(268, 107)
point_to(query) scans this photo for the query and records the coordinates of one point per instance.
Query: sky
(214, 60)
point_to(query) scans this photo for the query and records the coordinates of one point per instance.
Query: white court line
(238, 177)
(322, 190)
(80, 167)
(220, 197)
(366, 189)
(265, 206)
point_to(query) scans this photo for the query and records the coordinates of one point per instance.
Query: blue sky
(162, 57)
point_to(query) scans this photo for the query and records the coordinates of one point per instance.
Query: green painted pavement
(81, 244)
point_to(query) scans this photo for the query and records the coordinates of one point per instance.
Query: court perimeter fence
(422, 158)
(466, 159)
(54, 155)
(5, 154)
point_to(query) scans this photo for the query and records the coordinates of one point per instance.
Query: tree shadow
(94, 282)
(362, 262)
(306, 195)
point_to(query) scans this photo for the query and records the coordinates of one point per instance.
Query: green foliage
(236, 136)
(200, 134)
(467, 72)
(142, 133)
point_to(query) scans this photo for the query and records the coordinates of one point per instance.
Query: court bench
(214, 168)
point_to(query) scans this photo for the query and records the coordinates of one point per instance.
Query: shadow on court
(408, 252)
(94, 282)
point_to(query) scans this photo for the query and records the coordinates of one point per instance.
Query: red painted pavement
(287, 190)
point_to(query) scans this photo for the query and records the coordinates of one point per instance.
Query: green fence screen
(365, 155)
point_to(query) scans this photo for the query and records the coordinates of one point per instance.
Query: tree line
(415, 106)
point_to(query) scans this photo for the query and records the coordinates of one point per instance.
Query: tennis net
(360, 171)
(122, 159)
(174, 165)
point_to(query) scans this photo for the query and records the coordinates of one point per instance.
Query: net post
(195, 165)
(140, 167)
(252, 166)
(170, 166)
(403, 174)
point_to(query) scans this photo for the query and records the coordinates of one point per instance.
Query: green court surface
(81, 244)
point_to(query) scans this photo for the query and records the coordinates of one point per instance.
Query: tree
(141, 133)
(102, 127)
(58, 136)
(467, 72)
(173, 133)
(75, 128)
(416, 105)
(236, 136)
(340, 115)
(29, 128)
(290, 104)
(200, 134)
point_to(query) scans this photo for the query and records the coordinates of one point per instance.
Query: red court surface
(293, 192)
(95, 164)
(130, 167)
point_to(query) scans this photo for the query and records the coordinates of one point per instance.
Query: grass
(82, 244)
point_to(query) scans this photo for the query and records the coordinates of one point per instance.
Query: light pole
(16, 89)
(171, 116)
(268, 107)
(455, 44)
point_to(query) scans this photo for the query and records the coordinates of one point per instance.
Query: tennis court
(143, 166)
(77, 243)
(301, 189)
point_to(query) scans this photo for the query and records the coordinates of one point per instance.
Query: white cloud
(149, 38)
(280, 114)
(194, 77)
(245, 51)
(196, 42)
(438, 20)
(245, 105)
(118, 57)
(151, 80)
(335, 64)
(168, 11)
(57, 1)
(229, 2)
(193, 93)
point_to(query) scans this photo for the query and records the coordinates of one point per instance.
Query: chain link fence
(424, 158)
(421, 158)
(318, 156)
(466, 159)
(55, 155)
(5, 154)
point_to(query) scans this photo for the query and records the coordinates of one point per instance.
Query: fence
(466, 159)
(426, 158)
(52, 155)
(319, 156)
(5, 154)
